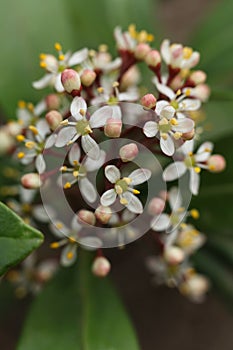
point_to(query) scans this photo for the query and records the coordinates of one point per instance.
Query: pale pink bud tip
(153, 58)
(198, 77)
(52, 101)
(103, 214)
(101, 267)
(88, 77)
(31, 181)
(156, 206)
(54, 119)
(148, 101)
(113, 127)
(188, 135)
(70, 80)
(173, 255)
(216, 163)
(86, 217)
(141, 51)
(128, 152)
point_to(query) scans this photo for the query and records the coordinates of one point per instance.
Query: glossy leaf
(17, 240)
(78, 311)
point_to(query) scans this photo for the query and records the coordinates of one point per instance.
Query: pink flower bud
(88, 77)
(195, 287)
(156, 206)
(52, 101)
(202, 92)
(153, 58)
(148, 101)
(188, 135)
(101, 267)
(174, 255)
(6, 141)
(31, 181)
(216, 163)
(86, 217)
(130, 78)
(141, 51)
(128, 152)
(71, 81)
(54, 119)
(103, 214)
(164, 195)
(113, 127)
(198, 77)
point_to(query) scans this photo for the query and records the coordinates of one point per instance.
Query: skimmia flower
(124, 188)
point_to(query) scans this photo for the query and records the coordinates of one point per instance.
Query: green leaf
(17, 240)
(78, 311)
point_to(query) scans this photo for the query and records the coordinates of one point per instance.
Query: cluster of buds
(94, 99)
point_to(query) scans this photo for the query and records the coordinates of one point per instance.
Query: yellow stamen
(21, 104)
(188, 92)
(128, 180)
(70, 255)
(88, 130)
(20, 138)
(115, 84)
(207, 150)
(132, 31)
(100, 90)
(61, 57)
(54, 245)
(82, 112)
(72, 239)
(103, 48)
(92, 53)
(67, 185)
(164, 136)
(190, 154)
(187, 52)
(136, 192)
(174, 121)
(150, 38)
(195, 214)
(177, 135)
(183, 225)
(75, 173)
(43, 64)
(59, 225)
(123, 201)
(64, 122)
(63, 168)
(212, 167)
(75, 162)
(197, 170)
(178, 92)
(42, 56)
(33, 129)
(57, 46)
(30, 144)
(118, 189)
(21, 155)
(30, 107)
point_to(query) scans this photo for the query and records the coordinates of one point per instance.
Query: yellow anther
(21, 155)
(178, 93)
(150, 38)
(207, 150)
(30, 144)
(57, 46)
(70, 255)
(181, 210)
(118, 189)
(184, 73)
(136, 192)
(43, 64)
(188, 92)
(100, 90)
(177, 135)
(115, 84)
(132, 31)
(75, 162)
(190, 271)
(190, 154)
(61, 57)
(72, 239)
(21, 104)
(123, 201)
(54, 245)
(92, 53)
(20, 138)
(183, 225)
(67, 185)
(212, 167)
(103, 48)
(64, 122)
(82, 112)
(69, 143)
(174, 121)
(63, 168)
(42, 56)
(187, 52)
(59, 225)
(128, 180)
(195, 214)
(197, 169)
(88, 130)
(30, 107)
(75, 173)
(33, 129)
(164, 136)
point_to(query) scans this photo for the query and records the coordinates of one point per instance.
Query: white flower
(190, 162)
(177, 56)
(82, 127)
(123, 187)
(55, 67)
(27, 113)
(189, 239)
(77, 172)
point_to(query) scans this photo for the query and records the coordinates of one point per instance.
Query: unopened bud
(141, 51)
(156, 206)
(128, 152)
(153, 58)
(88, 77)
(52, 101)
(103, 214)
(148, 101)
(131, 78)
(198, 77)
(195, 287)
(216, 163)
(13, 128)
(31, 181)
(101, 267)
(113, 127)
(188, 135)
(202, 92)
(86, 217)
(70, 80)
(6, 141)
(174, 255)
(54, 119)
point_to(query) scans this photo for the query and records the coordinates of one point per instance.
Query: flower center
(174, 104)
(121, 186)
(83, 127)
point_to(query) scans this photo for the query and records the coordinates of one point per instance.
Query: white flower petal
(129, 96)
(189, 105)
(90, 147)
(90, 243)
(160, 105)
(58, 84)
(139, 176)
(65, 135)
(160, 223)
(99, 117)
(43, 213)
(175, 199)
(134, 204)
(108, 197)
(92, 165)
(59, 229)
(167, 146)
(74, 154)
(113, 65)
(43, 82)
(40, 108)
(150, 129)
(194, 182)
(78, 57)
(77, 104)
(184, 125)
(87, 190)
(167, 112)
(50, 141)
(43, 128)
(40, 164)
(75, 225)
(187, 147)
(165, 90)
(174, 171)
(26, 196)
(165, 51)
(127, 216)
(206, 146)
(69, 255)
(112, 173)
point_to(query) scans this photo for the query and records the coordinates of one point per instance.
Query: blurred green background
(30, 27)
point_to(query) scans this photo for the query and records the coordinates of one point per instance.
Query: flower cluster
(96, 100)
